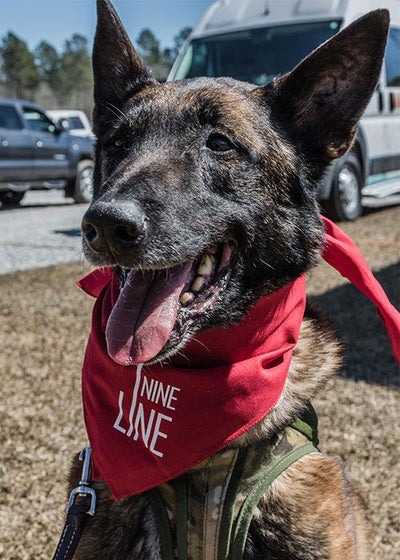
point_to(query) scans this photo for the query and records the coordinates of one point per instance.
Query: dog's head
(207, 187)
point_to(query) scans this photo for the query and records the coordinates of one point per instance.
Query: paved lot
(44, 230)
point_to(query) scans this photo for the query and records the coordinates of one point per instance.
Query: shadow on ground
(36, 205)
(74, 232)
(367, 349)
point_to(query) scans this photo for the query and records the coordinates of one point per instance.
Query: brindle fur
(261, 194)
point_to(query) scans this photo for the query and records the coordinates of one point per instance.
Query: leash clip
(84, 488)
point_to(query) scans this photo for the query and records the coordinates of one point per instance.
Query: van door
(51, 146)
(16, 147)
(392, 65)
(383, 182)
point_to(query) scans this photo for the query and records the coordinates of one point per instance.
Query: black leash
(81, 503)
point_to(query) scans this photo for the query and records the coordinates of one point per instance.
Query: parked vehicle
(256, 40)
(36, 153)
(76, 122)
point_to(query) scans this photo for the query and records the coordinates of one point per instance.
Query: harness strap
(210, 507)
(163, 524)
(234, 498)
(246, 513)
(179, 485)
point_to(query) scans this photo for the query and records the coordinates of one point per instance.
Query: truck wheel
(344, 203)
(11, 198)
(83, 182)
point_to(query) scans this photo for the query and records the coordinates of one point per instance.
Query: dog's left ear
(117, 68)
(322, 99)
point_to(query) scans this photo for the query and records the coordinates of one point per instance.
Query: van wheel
(83, 182)
(344, 203)
(11, 198)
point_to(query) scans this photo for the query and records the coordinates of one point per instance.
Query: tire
(83, 182)
(11, 198)
(344, 204)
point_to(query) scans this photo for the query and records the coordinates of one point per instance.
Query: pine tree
(20, 74)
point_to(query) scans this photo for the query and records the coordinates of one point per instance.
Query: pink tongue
(144, 314)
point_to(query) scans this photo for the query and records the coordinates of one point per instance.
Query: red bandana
(147, 425)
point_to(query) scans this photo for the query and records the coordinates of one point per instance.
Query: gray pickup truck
(36, 153)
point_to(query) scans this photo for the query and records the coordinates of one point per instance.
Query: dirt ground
(44, 321)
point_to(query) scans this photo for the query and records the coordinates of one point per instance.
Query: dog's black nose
(118, 226)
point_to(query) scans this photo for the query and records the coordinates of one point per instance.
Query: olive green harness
(205, 514)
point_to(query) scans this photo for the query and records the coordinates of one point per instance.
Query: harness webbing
(205, 514)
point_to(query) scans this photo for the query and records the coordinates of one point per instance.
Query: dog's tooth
(212, 250)
(186, 298)
(197, 284)
(206, 266)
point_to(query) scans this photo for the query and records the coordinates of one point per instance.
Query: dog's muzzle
(114, 226)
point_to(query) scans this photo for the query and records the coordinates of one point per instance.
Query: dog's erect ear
(118, 70)
(326, 94)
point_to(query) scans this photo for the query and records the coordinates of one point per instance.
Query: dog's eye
(219, 143)
(117, 143)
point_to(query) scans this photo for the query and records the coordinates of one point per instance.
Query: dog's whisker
(201, 344)
(265, 263)
(118, 113)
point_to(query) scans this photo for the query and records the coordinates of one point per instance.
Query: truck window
(75, 123)
(9, 118)
(254, 55)
(37, 121)
(393, 58)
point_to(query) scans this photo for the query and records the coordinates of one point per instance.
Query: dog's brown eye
(218, 143)
(117, 143)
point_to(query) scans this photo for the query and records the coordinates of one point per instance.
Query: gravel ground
(45, 321)
(44, 230)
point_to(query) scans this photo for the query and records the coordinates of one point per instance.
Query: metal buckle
(84, 488)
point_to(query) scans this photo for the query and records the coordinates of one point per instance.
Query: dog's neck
(316, 358)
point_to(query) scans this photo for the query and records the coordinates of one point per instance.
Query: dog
(208, 163)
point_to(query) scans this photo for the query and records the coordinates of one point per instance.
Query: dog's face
(205, 190)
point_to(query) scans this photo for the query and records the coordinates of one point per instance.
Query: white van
(256, 40)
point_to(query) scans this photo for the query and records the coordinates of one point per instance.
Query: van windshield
(254, 55)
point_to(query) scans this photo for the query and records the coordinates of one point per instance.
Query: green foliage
(64, 79)
(180, 39)
(149, 47)
(75, 70)
(158, 60)
(48, 60)
(19, 72)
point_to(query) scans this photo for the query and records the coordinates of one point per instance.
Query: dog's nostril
(126, 234)
(89, 232)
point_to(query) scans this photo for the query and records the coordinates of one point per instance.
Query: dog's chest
(205, 514)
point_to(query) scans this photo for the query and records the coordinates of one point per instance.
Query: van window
(9, 118)
(254, 55)
(393, 58)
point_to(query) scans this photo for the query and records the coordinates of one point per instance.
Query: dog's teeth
(197, 284)
(186, 298)
(206, 265)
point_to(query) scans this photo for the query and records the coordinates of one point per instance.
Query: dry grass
(44, 323)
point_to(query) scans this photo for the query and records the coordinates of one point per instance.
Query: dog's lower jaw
(312, 493)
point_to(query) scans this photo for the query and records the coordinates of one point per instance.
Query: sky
(57, 20)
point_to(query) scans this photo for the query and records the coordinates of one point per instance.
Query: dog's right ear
(117, 68)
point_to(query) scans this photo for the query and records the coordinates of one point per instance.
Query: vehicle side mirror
(63, 125)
